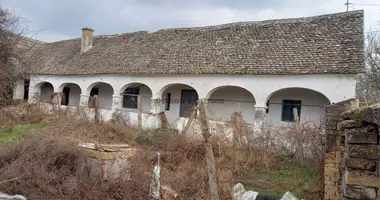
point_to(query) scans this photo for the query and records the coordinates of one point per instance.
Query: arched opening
(178, 100)
(130, 97)
(284, 103)
(71, 94)
(223, 102)
(45, 91)
(103, 92)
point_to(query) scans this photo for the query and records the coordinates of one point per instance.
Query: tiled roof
(314, 45)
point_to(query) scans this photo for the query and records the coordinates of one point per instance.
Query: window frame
(128, 96)
(288, 106)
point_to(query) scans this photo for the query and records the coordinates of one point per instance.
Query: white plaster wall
(261, 86)
(105, 96)
(74, 95)
(334, 86)
(312, 109)
(231, 95)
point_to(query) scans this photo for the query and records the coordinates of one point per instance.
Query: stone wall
(352, 151)
(107, 161)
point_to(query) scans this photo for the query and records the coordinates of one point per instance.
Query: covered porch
(143, 101)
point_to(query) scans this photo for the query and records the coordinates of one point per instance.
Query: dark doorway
(94, 91)
(189, 99)
(65, 97)
(26, 89)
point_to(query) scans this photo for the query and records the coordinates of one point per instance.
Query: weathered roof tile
(314, 45)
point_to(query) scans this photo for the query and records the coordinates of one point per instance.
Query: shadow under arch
(164, 88)
(224, 101)
(283, 103)
(71, 93)
(229, 86)
(301, 89)
(44, 90)
(90, 87)
(105, 93)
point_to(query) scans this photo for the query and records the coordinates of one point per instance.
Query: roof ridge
(268, 21)
(227, 25)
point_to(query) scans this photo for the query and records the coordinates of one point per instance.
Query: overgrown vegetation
(43, 164)
(368, 87)
(12, 134)
(13, 52)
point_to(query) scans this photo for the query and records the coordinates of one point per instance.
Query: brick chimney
(87, 41)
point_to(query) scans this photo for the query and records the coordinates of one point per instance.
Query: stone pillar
(260, 113)
(155, 106)
(84, 100)
(18, 90)
(117, 102)
(154, 119)
(334, 147)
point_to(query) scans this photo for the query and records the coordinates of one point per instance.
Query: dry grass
(44, 164)
(46, 168)
(22, 113)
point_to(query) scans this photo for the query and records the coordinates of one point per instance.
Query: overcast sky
(51, 20)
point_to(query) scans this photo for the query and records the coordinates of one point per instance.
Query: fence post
(237, 125)
(299, 135)
(210, 160)
(96, 104)
(139, 110)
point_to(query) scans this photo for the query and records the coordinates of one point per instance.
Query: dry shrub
(83, 130)
(23, 113)
(183, 164)
(44, 167)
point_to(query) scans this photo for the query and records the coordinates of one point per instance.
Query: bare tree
(368, 88)
(12, 53)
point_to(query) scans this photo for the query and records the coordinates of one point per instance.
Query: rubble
(239, 193)
(4, 196)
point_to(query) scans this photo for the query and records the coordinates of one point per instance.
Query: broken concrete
(239, 193)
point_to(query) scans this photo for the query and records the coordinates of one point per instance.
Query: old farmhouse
(268, 67)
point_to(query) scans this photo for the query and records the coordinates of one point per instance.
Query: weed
(12, 134)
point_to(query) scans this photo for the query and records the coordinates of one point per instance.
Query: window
(130, 98)
(167, 101)
(287, 110)
(189, 99)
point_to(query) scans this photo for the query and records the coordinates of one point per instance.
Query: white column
(18, 90)
(260, 113)
(84, 100)
(155, 106)
(153, 119)
(117, 102)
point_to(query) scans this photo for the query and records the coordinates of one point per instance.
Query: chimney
(87, 41)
